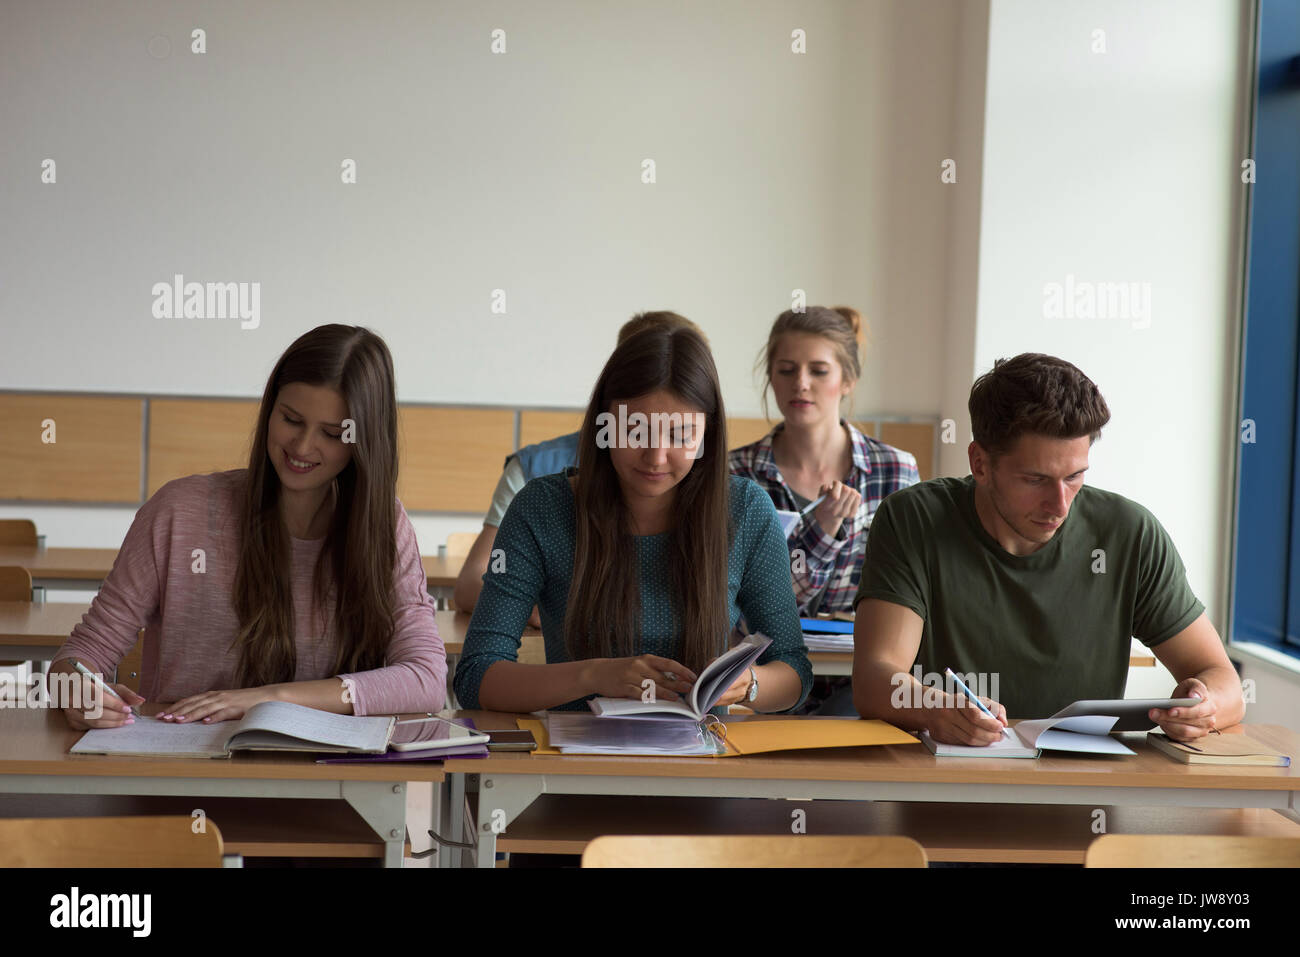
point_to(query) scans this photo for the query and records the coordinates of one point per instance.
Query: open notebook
(268, 726)
(1084, 726)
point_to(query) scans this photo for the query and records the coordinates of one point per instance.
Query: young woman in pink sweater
(296, 579)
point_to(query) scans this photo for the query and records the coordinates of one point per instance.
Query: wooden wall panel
(449, 460)
(195, 436)
(742, 431)
(95, 455)
(915, 437)
(539, 426)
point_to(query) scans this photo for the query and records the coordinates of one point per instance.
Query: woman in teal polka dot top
(643, 560)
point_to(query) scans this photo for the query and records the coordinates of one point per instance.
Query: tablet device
(1132, 712)
(424, 734)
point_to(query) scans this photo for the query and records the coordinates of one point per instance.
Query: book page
(154, 736)
(1010, 746)
(1093, 724)
(316, 727)
(722, 673)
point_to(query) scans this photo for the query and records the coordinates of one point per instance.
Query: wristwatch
(753, 685)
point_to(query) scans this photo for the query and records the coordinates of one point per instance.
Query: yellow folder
(744, 735)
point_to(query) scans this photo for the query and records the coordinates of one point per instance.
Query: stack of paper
(828, 642)
(827, 634)
(580, 733)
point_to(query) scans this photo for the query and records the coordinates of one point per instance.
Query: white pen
(99, 681)
(803, 512)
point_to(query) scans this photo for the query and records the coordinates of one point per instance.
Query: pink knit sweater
(190, 622)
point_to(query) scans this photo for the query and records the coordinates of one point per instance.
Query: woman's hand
(738, 693)
(624, 677)
(217, 705)
(114, 713)
(841, 502)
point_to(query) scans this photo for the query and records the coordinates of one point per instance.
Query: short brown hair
(841, 326)
(1038, 394)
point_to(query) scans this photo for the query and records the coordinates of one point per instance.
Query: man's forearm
(1225, 688)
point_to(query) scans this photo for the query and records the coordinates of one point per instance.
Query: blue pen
(962, 685)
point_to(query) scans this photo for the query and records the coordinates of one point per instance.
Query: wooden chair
(15, 583)
(782, 850)
(1191, 850)
(109, 842)
(17, 531)
(128, 669)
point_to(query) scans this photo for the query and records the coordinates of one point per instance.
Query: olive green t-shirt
(1053, 627)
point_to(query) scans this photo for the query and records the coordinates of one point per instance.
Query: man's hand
(960, 722)
(1187, 724)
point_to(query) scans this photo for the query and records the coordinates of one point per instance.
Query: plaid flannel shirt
(826, 579)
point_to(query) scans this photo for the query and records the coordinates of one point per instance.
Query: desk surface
(88, 564)
(908, 763)
(78, 564)
(453, 626)
(36, 741)
(442, 571)
(47, 623)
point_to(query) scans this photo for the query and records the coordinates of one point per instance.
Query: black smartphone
(511, 741)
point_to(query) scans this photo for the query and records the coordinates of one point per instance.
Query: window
(1266, 572)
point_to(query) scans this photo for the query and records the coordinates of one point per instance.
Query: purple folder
(464, 751)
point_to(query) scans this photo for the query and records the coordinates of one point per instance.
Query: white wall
(519, 171)
(476, 172)
(1123, 166)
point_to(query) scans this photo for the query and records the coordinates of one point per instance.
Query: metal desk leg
(383, 806)
(454, 820)
(501, 799)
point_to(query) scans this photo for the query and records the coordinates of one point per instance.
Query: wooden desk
(34, 631)
(34, 760)
(86, 568)
(512, 781)
(441, 572)
(452, 627)
(999, 833)
(61, 568)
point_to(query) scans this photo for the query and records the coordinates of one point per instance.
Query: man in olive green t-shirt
(1027, 580)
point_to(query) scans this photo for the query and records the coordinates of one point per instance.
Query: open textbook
(1084, 726)
(268, 726)
(711, 685)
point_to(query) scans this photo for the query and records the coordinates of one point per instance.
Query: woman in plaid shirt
(812, 362)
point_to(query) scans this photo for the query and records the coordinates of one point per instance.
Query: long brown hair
(356, 560)
(603, 616)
